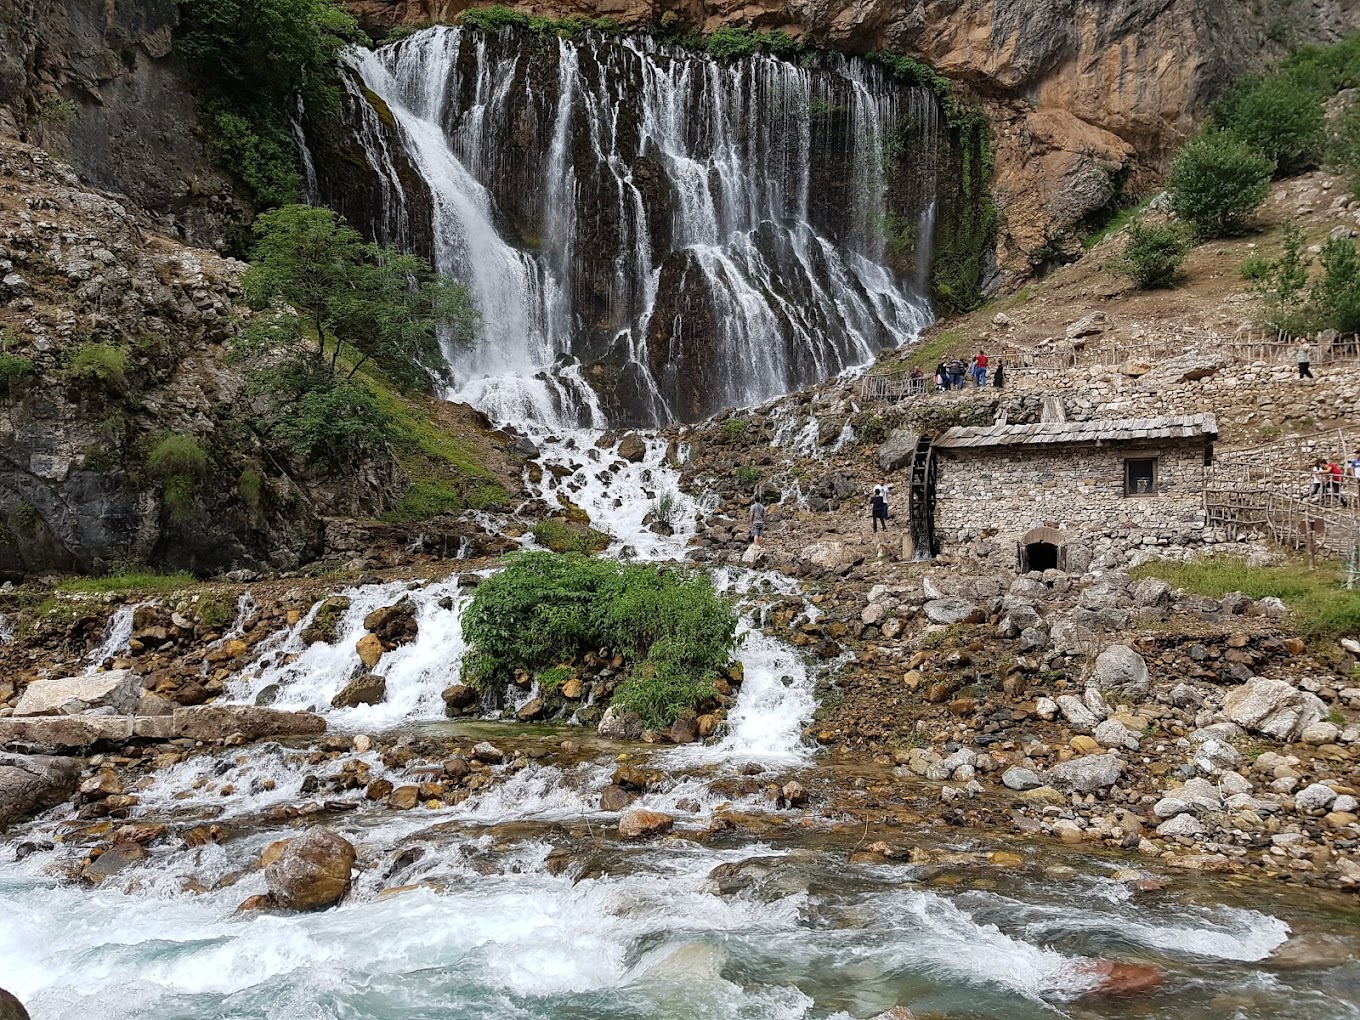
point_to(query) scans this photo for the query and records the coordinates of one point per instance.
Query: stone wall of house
(998, 493)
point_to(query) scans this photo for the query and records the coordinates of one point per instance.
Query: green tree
(385, 306)
(1282, 287)
(1279, 118)
(1216, 182)
(1153, 256)
(1336, 295)
(255, 59)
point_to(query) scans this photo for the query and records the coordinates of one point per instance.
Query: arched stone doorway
(1043, 549)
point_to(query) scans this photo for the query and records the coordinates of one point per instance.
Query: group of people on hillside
(1328, 476)
(954, 373)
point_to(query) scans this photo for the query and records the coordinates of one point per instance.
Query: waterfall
(650, 234)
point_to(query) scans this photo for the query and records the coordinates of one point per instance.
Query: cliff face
(97, 83)
(1083, 94)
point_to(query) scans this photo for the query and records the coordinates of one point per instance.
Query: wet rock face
(311, 872)
(11, 1008)
(33, 783)
(119, 690)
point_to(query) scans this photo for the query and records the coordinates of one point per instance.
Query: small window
(1140, 476)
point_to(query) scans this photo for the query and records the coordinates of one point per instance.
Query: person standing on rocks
(1303, 351)
(957, 370)
(980, 369)
(1319, 479)
(757, 521)
(941, 376)
(878, 506)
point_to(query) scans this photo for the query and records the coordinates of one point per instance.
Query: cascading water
(650, 234)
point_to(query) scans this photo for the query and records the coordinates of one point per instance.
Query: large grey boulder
(30, 783)
(950, 610)
(1274, 708)
(1087, 775)
(897, 452)
(1119, 669)
(1074, 710)
(1019, 778)
(118, 689)
(620, 725)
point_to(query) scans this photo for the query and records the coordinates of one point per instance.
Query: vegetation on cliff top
(674, 631)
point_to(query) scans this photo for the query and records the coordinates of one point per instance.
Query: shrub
(1254, 267)
(250, 487)
(177, 453)
(565, 537)
(180, 461)
(732, 43)
(100, 365)
(664, 509)
(544, 610)
(734, 428)
(1278, 118)
(1336, 296)
(1217, 182)
(1153, 255)
(15, 373)
(56, 110)
(748, 475)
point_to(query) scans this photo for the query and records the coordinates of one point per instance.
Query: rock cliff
(1085, 96)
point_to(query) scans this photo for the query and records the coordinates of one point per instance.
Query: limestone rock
(1314, 798)
(1088, 774)
(1074, 710)
(619, 725)
(488, 753)
(1113, 733)
(951, 610)
(1018, 778)
(1215, 756)
(1274, 708)
(1320, 733)
(1181, 825)
(1120, 670)
(897, 452)
(367, 689)
(33, 783)
(633, 448)
(639, 823)
(457, 698)
(312, 871)
(118, 689)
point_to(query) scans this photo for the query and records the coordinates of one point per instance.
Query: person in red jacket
(1334, 476)
(980, 369)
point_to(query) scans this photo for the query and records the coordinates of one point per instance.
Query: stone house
(1048, 485)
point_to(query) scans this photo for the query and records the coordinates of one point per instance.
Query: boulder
(112, 861)
(620, 725)
(11, 1008)
(1274, 708)
(70, 731)
(615, 798)
(1216, 756)
(458, 698)
(1151, 592)
(1121, 670)
(118, 689)
(366, 689)
(1074, 710)
(395, 624)
(488, 753)
(370, 649)
(33, 783)
(1321, 733)
(897, 452)
(1113, 733)
(1018, 778)
(1181, 825)
(951, 610)
(829, 555)
(312, 871)
(633, 448)
(684, 730)
(1087, 774)
(1314, 798)
(1114, 978)
(639, 823)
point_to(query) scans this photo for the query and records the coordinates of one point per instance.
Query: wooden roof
(1109, 430)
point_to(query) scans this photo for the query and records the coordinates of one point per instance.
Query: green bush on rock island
(673, 630)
